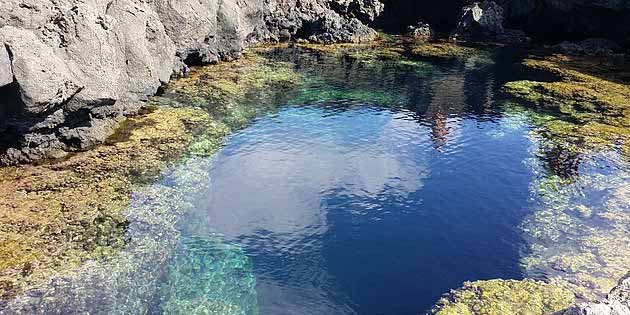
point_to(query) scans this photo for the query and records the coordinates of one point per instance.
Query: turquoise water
(367, 186)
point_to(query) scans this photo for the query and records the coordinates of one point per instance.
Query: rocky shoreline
(70, 71)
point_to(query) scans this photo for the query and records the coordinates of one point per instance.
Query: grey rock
(364, 10)
(621, 293)
(421, 31)
(513, 37)
(480, 20)
(79, 66)
(617, 302)
(599, 47)
(321, 21)
(568, 48)
(6, 71)
(45, 80)
(332, 29)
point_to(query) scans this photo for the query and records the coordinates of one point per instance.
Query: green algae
(442, 51)
(207, 276)
(577, 235)
(582, 248)
(55, 216)
(499, 297)
(235, 92)
(592, 92)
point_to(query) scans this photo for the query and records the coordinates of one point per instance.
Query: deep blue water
(352, 208)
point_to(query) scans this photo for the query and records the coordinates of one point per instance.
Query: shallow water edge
(102, 222)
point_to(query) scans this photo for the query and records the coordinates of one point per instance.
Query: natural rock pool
(360, 182)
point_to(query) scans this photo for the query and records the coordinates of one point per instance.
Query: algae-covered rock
(207, 276)
(498, 297)
(586, 89)
(443, 51)
(592, 93)
(55, 216)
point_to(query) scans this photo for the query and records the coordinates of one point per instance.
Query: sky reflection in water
(348, 208)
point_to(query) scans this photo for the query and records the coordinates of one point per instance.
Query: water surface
(363, 186)
(374, 188)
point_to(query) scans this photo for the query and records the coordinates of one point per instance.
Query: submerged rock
(82, 204)
(207, 276)
(514, 297)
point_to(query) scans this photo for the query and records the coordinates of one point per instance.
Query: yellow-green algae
(54, 216)
(235, 92)
(593, 92)
(578, 244)
(578, 235)
(442, 50)
(503, 297)
(583, 248)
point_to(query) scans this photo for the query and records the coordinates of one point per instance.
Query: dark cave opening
(544, 21)
(10, 108)
(399, 14)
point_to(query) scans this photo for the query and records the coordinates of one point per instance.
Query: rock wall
(550, 21)
(71, 69)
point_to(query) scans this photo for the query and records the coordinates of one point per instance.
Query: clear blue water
(374, 188)
(368, 187)
(349, 208)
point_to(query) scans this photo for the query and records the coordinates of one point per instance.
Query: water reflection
(374, 189)
(307, 190)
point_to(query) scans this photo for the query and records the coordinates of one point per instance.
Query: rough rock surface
(6, 73)
(480, 20)
(70, 69)
(616, 303)
(588, 47)
(421, 30)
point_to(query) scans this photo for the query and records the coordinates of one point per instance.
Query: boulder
(45, 81)
(588, 47)
(480, 20)
(421, 31)
(79, 66)
(332, 29)
(364, 10)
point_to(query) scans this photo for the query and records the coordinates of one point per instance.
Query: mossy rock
(55, 216)
(442, 51)
(592, 94)
(502, 297)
